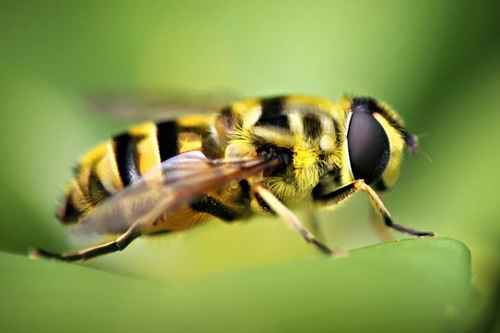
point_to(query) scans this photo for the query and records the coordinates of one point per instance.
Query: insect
(251, 157)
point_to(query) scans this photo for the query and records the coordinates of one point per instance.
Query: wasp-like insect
(254, 156)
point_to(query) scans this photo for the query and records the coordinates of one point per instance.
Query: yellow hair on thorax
(306, 165)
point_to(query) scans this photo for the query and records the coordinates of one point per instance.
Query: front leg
(344, 192)
(378, 224)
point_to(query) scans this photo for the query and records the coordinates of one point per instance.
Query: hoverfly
(250, 157)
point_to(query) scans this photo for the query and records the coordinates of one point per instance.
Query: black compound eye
(368, 146)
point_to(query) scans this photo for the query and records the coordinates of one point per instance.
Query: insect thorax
(305, 126)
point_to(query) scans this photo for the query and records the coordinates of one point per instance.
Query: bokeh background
(436, 62)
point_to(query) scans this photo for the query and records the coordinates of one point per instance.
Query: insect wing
(158, 107)
(174, 184)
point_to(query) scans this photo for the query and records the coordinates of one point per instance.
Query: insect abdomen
(111, 166)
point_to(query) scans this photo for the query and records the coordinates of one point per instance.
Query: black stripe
(280, 121)
(68, 212)
(126, 157)
(96, 190)
(273, 113)
(312, 126)
(272, 106)
(167, 134)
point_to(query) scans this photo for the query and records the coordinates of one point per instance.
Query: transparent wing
(158, 106)
(174, 184)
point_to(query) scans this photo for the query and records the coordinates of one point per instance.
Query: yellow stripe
(277, 137)
(147, 147)
(108, 169)
(249, 111)
(189, 141)
(319, 103)
(196, 120)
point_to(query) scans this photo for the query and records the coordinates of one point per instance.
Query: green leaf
(410, 285)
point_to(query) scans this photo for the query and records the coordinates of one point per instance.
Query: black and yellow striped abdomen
(113, 165)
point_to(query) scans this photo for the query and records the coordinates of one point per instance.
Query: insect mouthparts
(282, 156)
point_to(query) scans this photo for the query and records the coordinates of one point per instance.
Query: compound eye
(368, 147)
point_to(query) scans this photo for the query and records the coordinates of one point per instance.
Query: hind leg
(118, 245)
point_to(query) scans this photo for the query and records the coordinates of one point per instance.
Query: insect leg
(214, 207)
(279, 208)
(351, 188)
(378, 224)
(314, 224)
(118, 245)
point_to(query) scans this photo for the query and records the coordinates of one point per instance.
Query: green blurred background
(436, 62)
